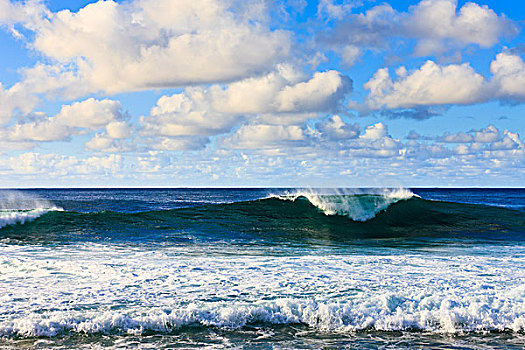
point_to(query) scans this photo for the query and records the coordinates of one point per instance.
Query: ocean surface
(262, 268)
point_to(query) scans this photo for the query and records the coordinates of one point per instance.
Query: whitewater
(279, 268)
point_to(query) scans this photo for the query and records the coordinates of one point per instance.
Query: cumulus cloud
(485, 135)
(266, 136)
(79, 117)
(29, 13)
(148, 44)
(284, 90)
(436, 26)
(429, 85)
(454, 84)
(288, 154)
(15, 100)
(336, 140)
(329, 136)
(488, 142)
(509, 76)
(333, 10)
(350, 54)
(279, 98)
(321, 93)
(55, 165)
(104, 142)
(335, 128)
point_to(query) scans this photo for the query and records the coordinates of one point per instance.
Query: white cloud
(90, 113)
(73, 119)
(334, 128)
(332, 137)
(147, 44)
(105, 143)
(350, 54)
(182, 143)
(186, 114)
(508, 76)
(269, 154)
(429, 85)
(29, 13)
(485, 143)
(281, 97)
(436, 21)
(485, 135)
(266, 136)
(283, 91)
(333, 10)
(509, 141)
(436, 25)
(14, 100)
(55, 165)
(434, 85)
(321, 93)
(118, 130)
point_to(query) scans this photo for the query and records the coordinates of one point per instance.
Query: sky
(262, 93)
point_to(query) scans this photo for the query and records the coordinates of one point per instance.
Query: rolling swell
(278, 220)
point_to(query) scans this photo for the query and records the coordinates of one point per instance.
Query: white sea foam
(18, 208)
(45, 291)
(359, 205)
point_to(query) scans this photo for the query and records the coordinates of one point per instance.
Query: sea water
(262, 268)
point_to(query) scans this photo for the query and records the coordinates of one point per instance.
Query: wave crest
(358, 205)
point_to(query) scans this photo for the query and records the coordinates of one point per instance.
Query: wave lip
(358, 205)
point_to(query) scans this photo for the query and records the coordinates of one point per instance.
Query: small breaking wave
(13, 217)
(18, 208)
(357, 205)
(391, 313)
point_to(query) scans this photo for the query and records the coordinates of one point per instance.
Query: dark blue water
(263, 268)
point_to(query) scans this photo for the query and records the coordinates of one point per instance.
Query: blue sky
(262, 93)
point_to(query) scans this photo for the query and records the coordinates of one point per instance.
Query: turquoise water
(262, 268)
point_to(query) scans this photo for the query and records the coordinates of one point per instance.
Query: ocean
(262, 268)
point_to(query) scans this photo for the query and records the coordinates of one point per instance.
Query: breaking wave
(444, 317)
(19, 208)
(356, 205)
